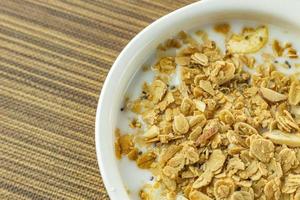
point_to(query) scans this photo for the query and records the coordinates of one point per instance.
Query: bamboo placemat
(54, 57)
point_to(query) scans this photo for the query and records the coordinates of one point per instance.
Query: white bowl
(278, 12)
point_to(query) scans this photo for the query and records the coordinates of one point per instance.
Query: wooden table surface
(54, 57)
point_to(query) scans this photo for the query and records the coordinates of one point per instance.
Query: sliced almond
(272, 95)
(279, 137)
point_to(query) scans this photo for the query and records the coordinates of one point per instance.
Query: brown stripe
(45, 165)
(69, 28)
(77, 19)
(55, 58)
(50, 46)
(95, 14)
(13, 144)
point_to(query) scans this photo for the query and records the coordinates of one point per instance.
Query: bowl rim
(109, 172)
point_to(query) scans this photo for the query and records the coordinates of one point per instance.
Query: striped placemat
(54, 56)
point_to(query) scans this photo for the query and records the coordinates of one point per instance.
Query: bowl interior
(144, 44)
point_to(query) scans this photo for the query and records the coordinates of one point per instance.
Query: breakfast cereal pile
(222, 133)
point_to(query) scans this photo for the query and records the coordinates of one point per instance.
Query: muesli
(223, 132)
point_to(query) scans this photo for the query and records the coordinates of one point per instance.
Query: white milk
(133, 177)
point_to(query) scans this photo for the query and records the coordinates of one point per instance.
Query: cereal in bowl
(229, 130)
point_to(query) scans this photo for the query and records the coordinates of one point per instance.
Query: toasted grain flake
(170, 172)
(235, 164)
(262, 149)
(152, 132)
(286, 123)
(165, 65)
(135, 123)
(200, 105)
(226, 116)
(292, 53)
(288, 159)
(187, 105)
(275, 170)
(196, 195)
(297, 194)
(169, 183)
(191, 155)
(249, 61)
(180, 124)
(295, 110)
(118, 151)
(150, 117)
(198, 119)
(209, 130)
(133, 154)
(250, 170)
(244, 129)
(216, 160)
(262, 171)
(182, 60)
(223, 188)
(222, 72)
(144, 195)
(241, 195)
(235, 149)
(272, 189)
(258, 187)
(126, 143)
(203, 180)
(203, 35)
(158, 90)
(294, 93)
(223, 28)
(200, 58)
(291, 183)
(277, 48)
(169, 153)
(145, 160)
(177, 161)
(194, 135)
(207, 87)
(135, 106)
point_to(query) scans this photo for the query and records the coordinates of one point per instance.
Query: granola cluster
(222, 133)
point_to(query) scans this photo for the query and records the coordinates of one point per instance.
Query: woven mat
(54, 56)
